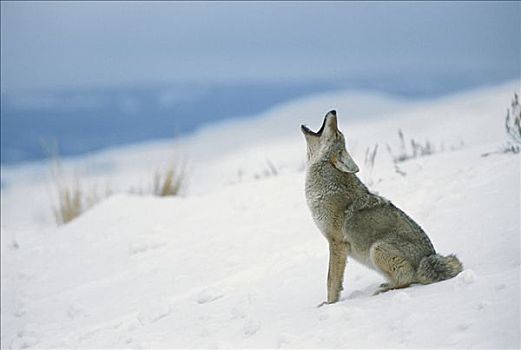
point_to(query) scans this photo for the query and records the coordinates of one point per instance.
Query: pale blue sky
(86, 44)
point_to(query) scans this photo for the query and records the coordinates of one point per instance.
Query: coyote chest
(327, 204)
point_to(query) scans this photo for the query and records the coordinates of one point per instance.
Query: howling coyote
(361, 224)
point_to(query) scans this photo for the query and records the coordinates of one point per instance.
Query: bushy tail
(435, 268)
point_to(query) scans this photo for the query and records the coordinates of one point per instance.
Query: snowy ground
(238, 262)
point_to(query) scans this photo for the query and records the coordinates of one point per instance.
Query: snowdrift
(238, 262)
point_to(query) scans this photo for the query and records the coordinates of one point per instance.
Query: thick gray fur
(363, 225)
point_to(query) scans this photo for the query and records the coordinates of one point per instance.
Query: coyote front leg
(337, 263)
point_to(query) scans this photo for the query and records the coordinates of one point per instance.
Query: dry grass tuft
(369, 161)
(270, 169)
(70, 203)
(417, 149)
(513, 126)
(513, 129)
(169, 182)
(71, 200)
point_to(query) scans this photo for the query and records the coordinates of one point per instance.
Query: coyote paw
(324, 303)
(381, 290)
(384, 287)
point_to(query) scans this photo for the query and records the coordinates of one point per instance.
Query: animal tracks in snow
(209, 295)
(140, 247)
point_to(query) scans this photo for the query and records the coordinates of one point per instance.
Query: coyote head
(328, 145)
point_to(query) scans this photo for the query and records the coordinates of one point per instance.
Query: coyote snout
(361, 224)
(329, 142)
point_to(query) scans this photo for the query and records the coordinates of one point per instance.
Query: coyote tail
(435, 268)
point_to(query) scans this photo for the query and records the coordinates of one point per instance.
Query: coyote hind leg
(391, 262)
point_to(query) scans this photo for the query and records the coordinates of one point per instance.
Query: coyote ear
(344, 162)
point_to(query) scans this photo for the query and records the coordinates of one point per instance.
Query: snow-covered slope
(238, 262)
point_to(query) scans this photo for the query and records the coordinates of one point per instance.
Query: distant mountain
(91, 119)
(87, 120)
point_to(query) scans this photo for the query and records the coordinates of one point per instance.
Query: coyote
(361, 224)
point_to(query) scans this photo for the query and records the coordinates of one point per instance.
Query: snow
(237, 260)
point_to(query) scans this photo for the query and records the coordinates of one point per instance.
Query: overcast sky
(82, 44)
